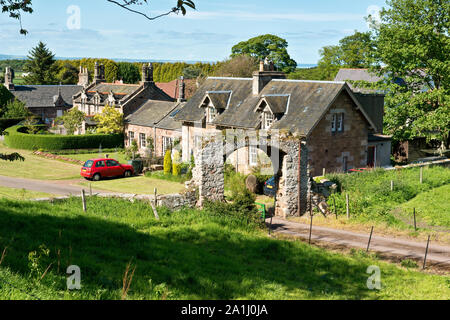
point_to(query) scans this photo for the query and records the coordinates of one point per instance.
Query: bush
(168, 162)
(176, 165)
(16, 137)
(7, 123)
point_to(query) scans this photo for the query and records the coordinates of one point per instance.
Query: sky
(99, 29)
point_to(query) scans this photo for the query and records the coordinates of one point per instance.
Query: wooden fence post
(156, 197)
(370, 239)
(90, 189)
(392, 185)
(335, 209)
(83, 199)
(415, 224)
(421, 175)
(426, 253)
(347, 203)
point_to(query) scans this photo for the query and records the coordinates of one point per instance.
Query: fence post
(90, 189)
(426, 253)
(335, 209)
(392, 185)
(310, 229)
(421, 175)
(415, 225)
(83, 199)
(370, 239)
(347, 200)
(156, 197)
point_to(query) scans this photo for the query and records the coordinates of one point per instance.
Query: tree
(16, 109)
(241, 66)
(267, 46)
(109, 121)
(413, 44)
(5, 97)
(128, 72)
(355, 51)
(192, 72)
(15, 8)
(168, 162)
(72, 120)
(68, 73)
(41, 66)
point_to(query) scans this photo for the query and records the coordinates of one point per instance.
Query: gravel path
(438, 255)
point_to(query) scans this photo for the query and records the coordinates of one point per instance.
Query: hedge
(15, 137)
(6, 123)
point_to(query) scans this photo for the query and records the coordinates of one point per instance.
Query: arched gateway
(289, 159)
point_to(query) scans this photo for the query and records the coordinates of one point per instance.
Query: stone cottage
(45, 101)
(128, 98)
(333, 122)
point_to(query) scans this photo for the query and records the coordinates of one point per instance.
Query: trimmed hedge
(15, 137)
(6, 123)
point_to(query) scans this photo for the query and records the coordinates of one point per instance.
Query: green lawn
(189, 254)
(137, 185)
(432, 207)
(35, 167)
(21, 194)
(84, 157)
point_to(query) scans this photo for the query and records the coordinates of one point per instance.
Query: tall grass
(370, 193)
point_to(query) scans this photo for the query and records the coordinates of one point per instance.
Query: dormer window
(212, 113)
(268, 119)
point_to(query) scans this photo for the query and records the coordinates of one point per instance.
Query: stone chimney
(147, 74)
(265, 74)
(181, 90)
(83, 77)
(9, 78)
(99, 73)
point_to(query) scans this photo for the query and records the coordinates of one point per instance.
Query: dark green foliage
(16, 64)
(41, 66)
(6, 123)
(5, 97)
(15, 109)
(267, 46)
(128, 72)
(68, 73)
(16, 138)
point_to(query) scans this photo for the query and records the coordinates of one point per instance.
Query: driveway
(438, 256)
(62, 187)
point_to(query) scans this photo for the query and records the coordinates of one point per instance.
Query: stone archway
(291, 171)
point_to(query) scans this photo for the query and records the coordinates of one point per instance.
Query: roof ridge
(308, 81)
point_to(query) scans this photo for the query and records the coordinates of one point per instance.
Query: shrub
(176, 165)
(16, 137)
(7, 123)
(168, 162)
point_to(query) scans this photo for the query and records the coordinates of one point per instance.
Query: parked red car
(105, 168)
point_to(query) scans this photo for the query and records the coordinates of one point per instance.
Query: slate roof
(43, 96)
(169, 122)
(172, 88)
(304, 102)
(156, 113)
(357, 75)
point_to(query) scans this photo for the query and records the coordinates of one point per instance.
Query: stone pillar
(208, 174)
(289, 188)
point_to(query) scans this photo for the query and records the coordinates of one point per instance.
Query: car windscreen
(88, 164)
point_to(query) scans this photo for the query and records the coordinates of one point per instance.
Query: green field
(432, 207)
(35, 167)
(372, 201)
(21, 194)
(188, 254)
(119, 156)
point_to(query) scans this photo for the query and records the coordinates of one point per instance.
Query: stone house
(333, 122)
(127, 98)
(45, 101)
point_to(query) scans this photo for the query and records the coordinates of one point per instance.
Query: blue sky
(204, 35)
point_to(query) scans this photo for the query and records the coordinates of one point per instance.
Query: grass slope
(35, 167)
(432, 207)
(21, 194)
(186, 255)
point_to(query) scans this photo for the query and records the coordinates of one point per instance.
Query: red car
(105, 168)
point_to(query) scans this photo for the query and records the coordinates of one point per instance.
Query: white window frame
(268, 120)
(340, 122)
(252, 156)
(130, 137)
(333, 123)
(212, 114)
(142, 141)
(167, 144)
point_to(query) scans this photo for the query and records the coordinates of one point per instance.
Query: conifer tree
(41, 66)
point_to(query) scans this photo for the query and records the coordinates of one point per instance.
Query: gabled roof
(219, 99)
(156, 113)
(303, 103)
(45, 96)
(172, 88)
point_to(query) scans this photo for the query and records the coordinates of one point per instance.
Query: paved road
(53, 187)
(437, 255)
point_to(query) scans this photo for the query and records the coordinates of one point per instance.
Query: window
(112, 163)
(345, 164)
(100, 164)
(253, 156)
(268, 120)
(142, 139)
(211, 114)
(59, 113)
(167, 144)
(130, 137)
(337, 123)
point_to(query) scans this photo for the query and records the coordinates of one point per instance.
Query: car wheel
(127, 174)
(96, 177)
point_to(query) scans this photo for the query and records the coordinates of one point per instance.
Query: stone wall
(328, 150)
